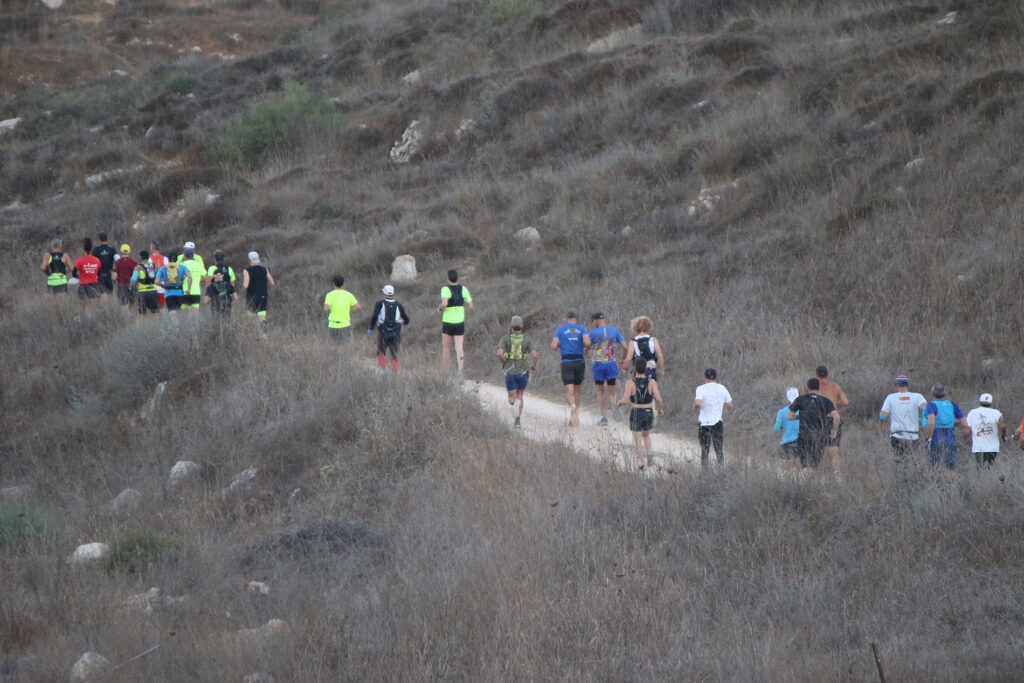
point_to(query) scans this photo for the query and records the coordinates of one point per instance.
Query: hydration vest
(515, 346)
(173, 279)
(147, 276)
(456, 299)
(389, 323)
(642, 395)
(643, 348)
(56, 270)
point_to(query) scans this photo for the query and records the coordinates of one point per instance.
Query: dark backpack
(456, 298)
(223, 270)
(643, 391)
(646, 348)
(222, 301)
(391, 328)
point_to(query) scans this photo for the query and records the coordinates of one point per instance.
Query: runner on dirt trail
(340, 304)
(88, 269)
(790, 430)
(518, 357)
(56, 265)
(709, 400)
(219, 294)
(643, 345)
(819, 421)
(987, 429)
(834, 393)
(158, 262)
(642, 394)
(388, 317)
(942, 417)
(218, 264)
(455, 298)
(903, 410)
(194, 292)
(175, 279)
(604, 343)
(573, 341)
(144, 277)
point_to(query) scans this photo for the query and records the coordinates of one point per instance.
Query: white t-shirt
(904, 408)
(713, 396)
(984, 424)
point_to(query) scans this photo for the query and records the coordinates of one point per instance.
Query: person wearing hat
(605, 341)
(193, 294)
(340, 304)
(819, 422)
(987, 429)
(123, 269)
(573, 341)
(190, 247)
(518, 357)
(709, 400)
(942, 417)
(257, 280)
(902, 409)
(790, 429)
(388, 317)
(107, 256)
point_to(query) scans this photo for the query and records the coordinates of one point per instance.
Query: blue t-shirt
(169, 291)
(570, 341)
(790, 428)
(946, 414)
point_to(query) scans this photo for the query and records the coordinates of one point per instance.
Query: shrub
(500, 12)
(133, 554)
(271, 125)
(21, 522)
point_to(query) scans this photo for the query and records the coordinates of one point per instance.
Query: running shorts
(517, 382)
(453, 329)
(641, 419)
(148, 302)
(605, 372)
(573, 371)
(93, 290)
(256, 304)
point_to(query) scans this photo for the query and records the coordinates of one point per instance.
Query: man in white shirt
(987, 428)
(709, 400)
(903, 410)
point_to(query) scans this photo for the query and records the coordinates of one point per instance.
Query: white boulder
(528, 236)
(413, 78)
(7, 125)
(403, 150)
(258, 587)
(403, 270)
(89, 552)
(126, 501)
(88, 666)
(617, 39)
(240, 487)
(182, 472)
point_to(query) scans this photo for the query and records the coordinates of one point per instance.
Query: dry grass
(403, 534)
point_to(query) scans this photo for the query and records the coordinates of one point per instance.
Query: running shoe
(517, 423)
(603, 422)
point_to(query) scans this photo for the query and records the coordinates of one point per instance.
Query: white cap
(190, 245)
(387, 290)
(792, 394)
(254, 256)
(986, 399)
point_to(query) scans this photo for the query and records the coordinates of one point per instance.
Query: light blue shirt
(790, 428)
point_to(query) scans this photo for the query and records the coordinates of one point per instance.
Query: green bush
(20, 522)
(182, 83)
(499, 12)
(134, 553)
(272, 125)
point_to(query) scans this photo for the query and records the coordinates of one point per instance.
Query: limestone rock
(144, 602)
(405, 149)
(269, 634)
(403, 270)
(258, 587)
(7, 125)
(23, 492)
(528, 236)
(88, 666)
(617, 39)
(126, 501)
(466, 126)
(182, 472)
(89, 552)
(413, 78)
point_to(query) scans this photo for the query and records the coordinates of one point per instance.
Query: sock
(381, 361)
(394, 365)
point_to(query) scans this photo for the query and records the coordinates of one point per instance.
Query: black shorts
(93, 290)
(125, 295)
(106, 281)
(641, 419)
(388, 345)
(340, 334)
(453, 329)
(573, 371)
(148, 302)
(173, 303)
(788, 451)
(839, 435)
(58, 289)
(257, 303)
(191, 300)
(811, 448)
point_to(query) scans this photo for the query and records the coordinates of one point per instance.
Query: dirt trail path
(546, 421)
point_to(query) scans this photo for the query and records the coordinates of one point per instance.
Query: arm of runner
(444, 305)
(1002, 428)
(46, 263)
(245, 279)
(659, 357)
(270, 279)
(373, 318)
(658, 405)
(501, 354)
(534, 356)
(554, 344)
(843, 401)
(928, 430)
(356, 307)
(626, 393)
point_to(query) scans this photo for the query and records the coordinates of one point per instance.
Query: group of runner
(810, 422)
(155, 282)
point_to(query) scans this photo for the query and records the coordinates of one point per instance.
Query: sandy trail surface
(547, 421)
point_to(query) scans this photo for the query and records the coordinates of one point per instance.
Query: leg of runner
(602, 402)
(446, 350)
(647, 448)
(458, 339)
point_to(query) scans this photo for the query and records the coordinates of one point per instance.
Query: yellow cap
(126, 249)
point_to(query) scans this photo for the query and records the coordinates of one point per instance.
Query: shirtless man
(834, 393)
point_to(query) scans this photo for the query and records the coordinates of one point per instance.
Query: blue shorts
(517, 382)
(606, 372)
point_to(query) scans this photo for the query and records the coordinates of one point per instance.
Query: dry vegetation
(873, 225)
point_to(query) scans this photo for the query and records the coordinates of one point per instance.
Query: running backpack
(172, 276)
(644, 347)
(391, 325)
(455, 299)
(222, 300)
(149, 271)
(223, 270)
(642, 396)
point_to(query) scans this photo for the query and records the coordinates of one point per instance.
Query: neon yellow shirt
(212, 269)
(196, 269)
(454, 314)
(197, 258)
(341, 302)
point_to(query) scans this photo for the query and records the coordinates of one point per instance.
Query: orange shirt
(88, 270)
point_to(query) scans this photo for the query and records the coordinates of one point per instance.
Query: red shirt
(88, 269)
(123, 268)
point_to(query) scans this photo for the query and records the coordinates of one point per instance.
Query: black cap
(597, 316)
(571, 314)
(710, 373)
